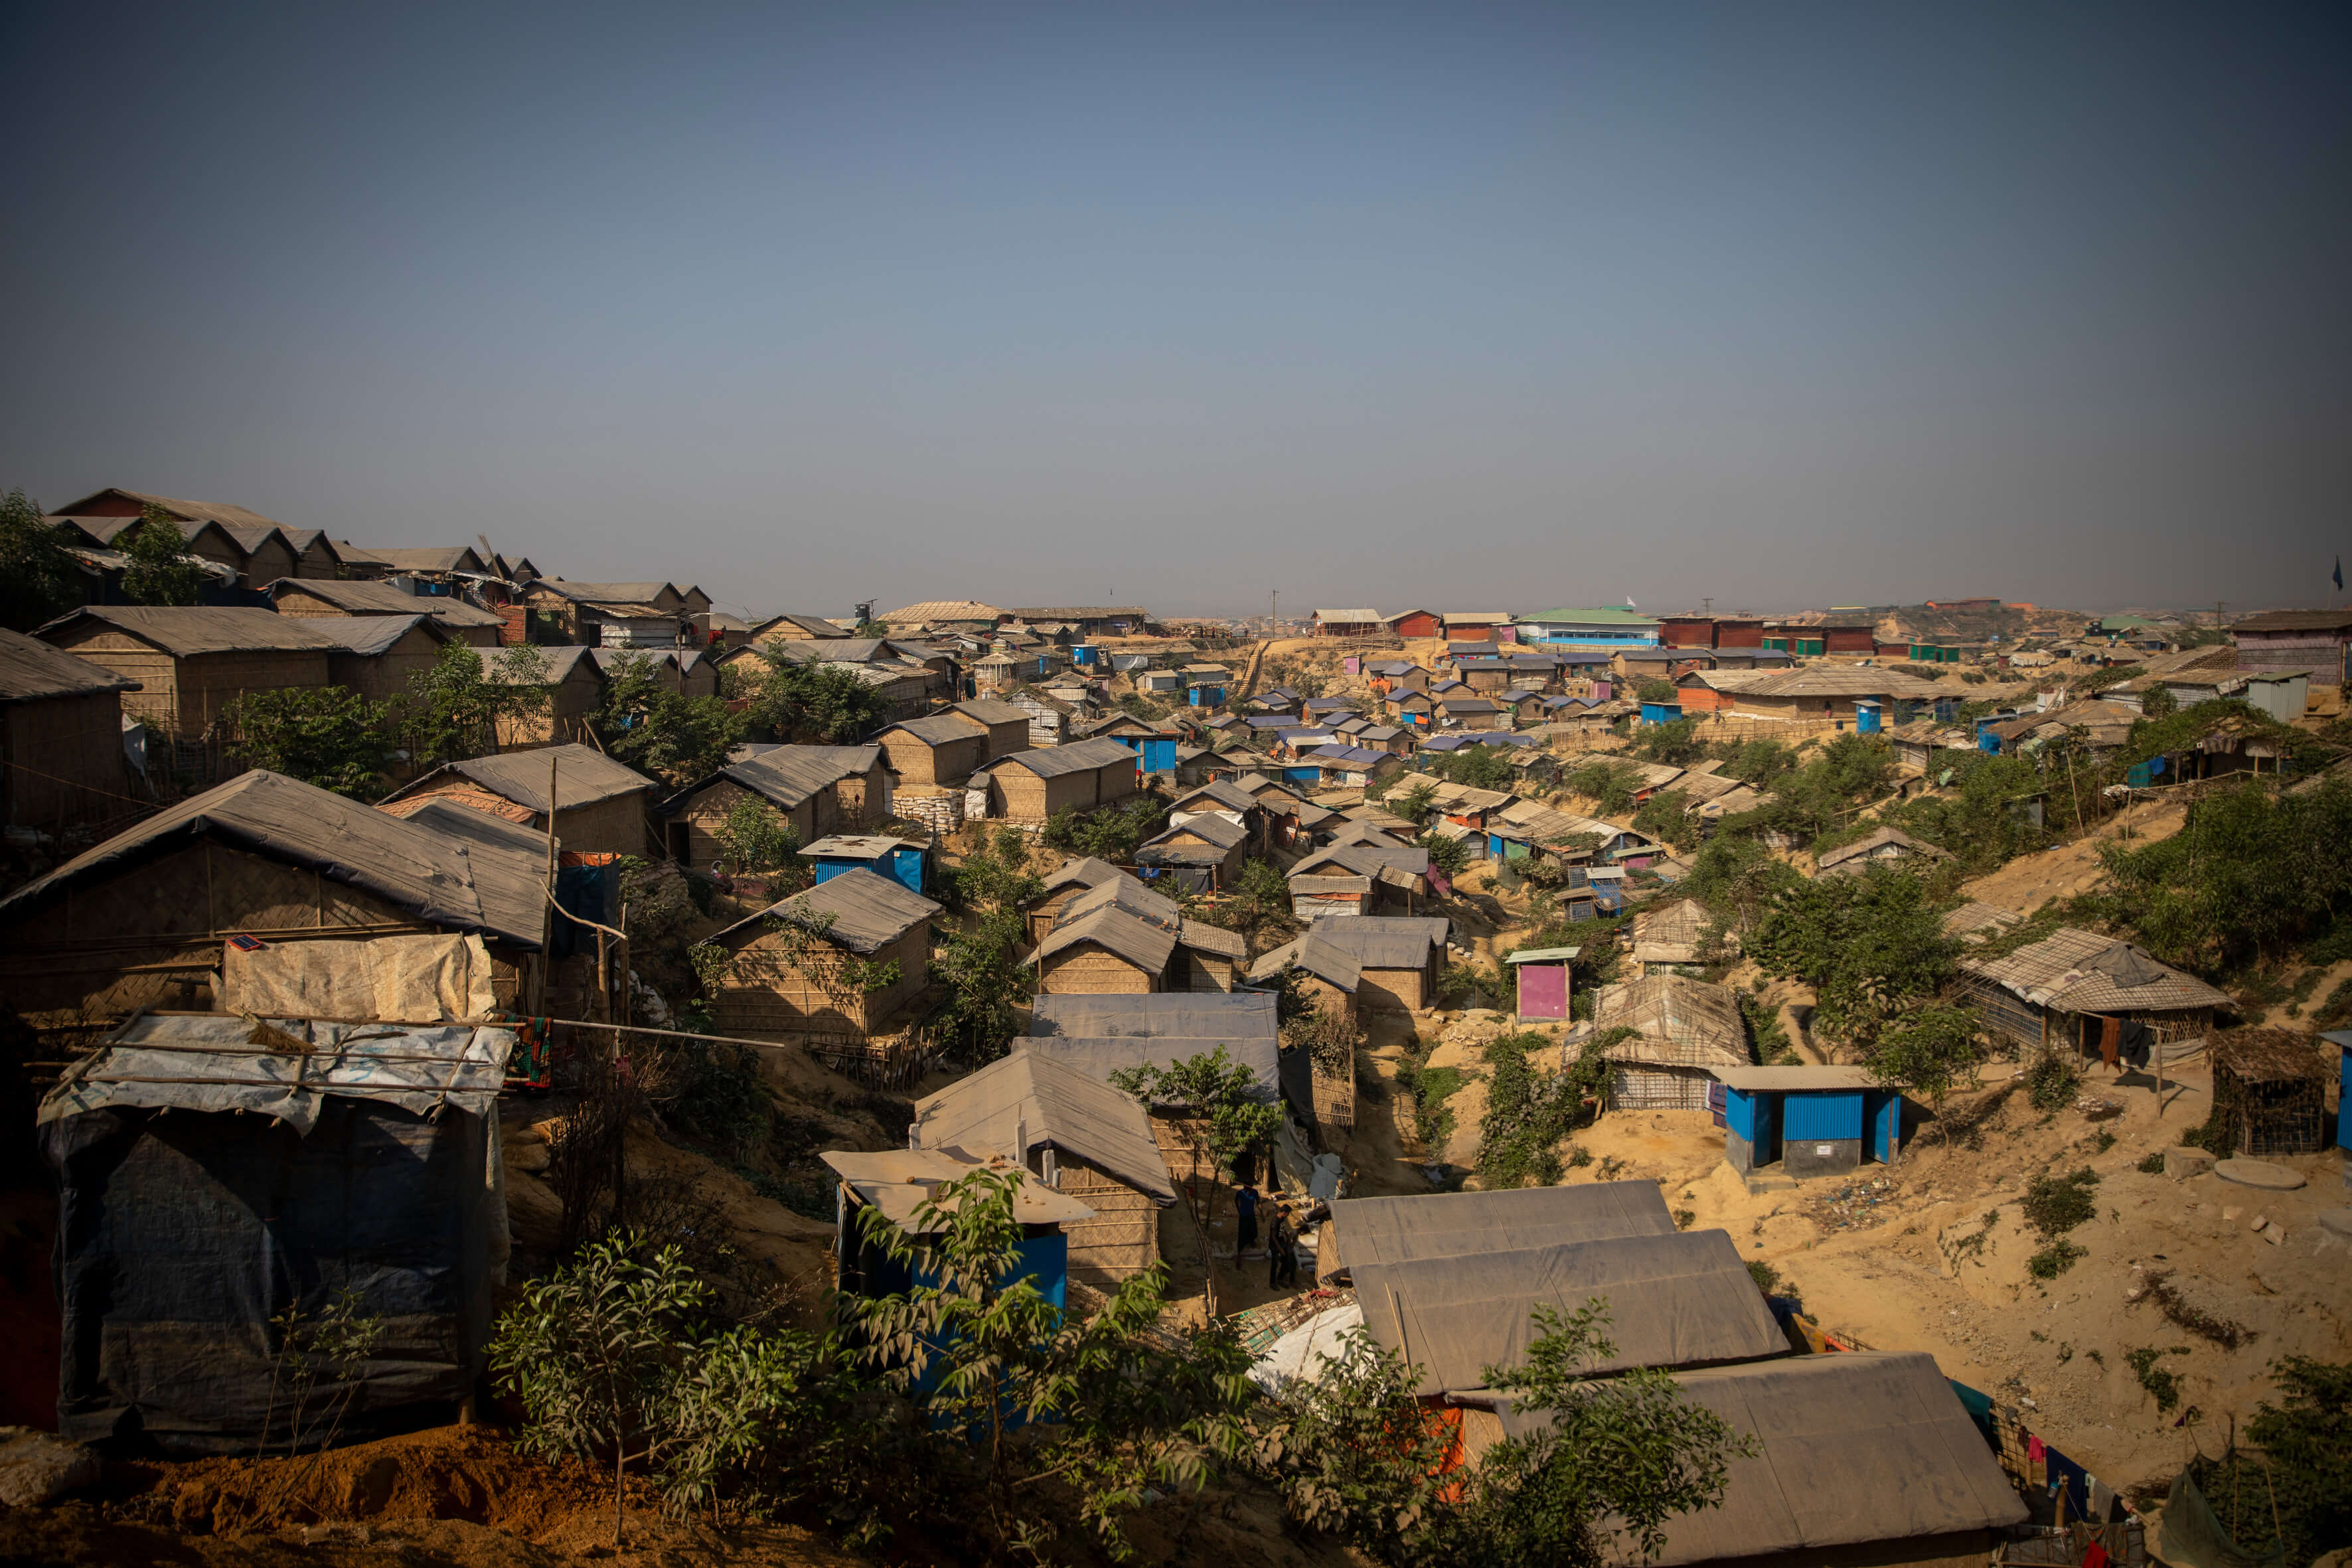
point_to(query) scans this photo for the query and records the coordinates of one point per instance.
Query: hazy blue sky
(1488, 307)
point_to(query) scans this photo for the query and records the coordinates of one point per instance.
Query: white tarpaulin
(1303, 1351)
(410, 979)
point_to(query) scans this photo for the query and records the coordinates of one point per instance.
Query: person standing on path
(1281, 1253)
(1245, 1209)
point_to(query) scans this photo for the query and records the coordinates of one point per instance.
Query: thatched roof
(2081, 971)
(1682, 1022)
(2267, 1056)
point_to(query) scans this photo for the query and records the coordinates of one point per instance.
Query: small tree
(591, 1351)
(1224, 1116)
(981, 963)
(1613, 1458)
(822, 702)
(1102, 1406)
(329, 736)
(1354, 1456)
(39, 578)
(1931, 1052)
(755, 838)
(660, 731)
(160, 571)
(455, 710)
(1451, 857)
(1414, 804)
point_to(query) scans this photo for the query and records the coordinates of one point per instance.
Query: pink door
(1543, 990)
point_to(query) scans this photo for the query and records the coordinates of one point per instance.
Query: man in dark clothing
(1281, 1253)
(1245, 1206)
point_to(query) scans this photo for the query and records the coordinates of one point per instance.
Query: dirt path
(2072, 869)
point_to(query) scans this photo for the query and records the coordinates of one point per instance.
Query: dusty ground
(2028, 882)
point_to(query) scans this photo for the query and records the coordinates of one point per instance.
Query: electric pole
(1273, 611)
(1708, 605)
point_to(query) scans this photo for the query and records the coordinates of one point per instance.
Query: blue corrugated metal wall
(1823, 1115)
(1739, 1113)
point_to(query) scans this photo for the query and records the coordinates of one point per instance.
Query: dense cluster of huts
(405, 957)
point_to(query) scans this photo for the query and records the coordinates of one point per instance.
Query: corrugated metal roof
(440, 879)
(31, 669)
(931, 610)
(2296, 621)
(865, 913)
(1794, 1080)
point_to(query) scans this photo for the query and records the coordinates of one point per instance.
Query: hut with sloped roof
(1201, 855)
(600, 804)
(820, 789)
(2087, 992)
(141, 920)
(379, 653)
(1121, 937)
(938, 751)
(1397, 957)
(1074, 877)
(1684, 1028)
(573, 683)
(1076, 1134)
(193, 662)
(839, 959)
(2270, 1090)
(61, 758)
(1030, 787)
(465, 622)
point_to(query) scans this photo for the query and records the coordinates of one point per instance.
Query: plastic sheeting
(182, 1236)
(412, 978)
(1305, 1350)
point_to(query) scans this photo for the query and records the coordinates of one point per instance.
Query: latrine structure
(2270, 1090)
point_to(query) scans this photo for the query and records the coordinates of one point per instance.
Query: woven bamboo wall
(566, 718)
(1090, 969)
(1123, 1238)
(1196, 971)
(920, 762)
(615, 827)
(149, 936)
(854, 804)
(1046, 912)
(379, 678)
(208, 682)
(707, 812)
(303, 607)
(65, 762)
(272, 561)
(1391, 990)
(1657, 1088)
(768, 993)
(316, 564)
(155, 672)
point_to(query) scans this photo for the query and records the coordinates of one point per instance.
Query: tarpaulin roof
(1146, 944)
(1385, 941)
(899, 1181)
(1179, 1014)
(1325, 961)
(354, 597)
(1446, 1225)
(786, 775)
(1221, 831)
(584, 776)
(859, 910)
(1101, 1056)
(1054, 762)
(1679, 1299)
(31, 669)
(1062, 1104)
(1905, 1458)
(1087, 872)
(179, 1059)
(442, 880)
(1225, 792)
(182, 631)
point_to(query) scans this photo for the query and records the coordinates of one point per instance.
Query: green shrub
(2054, 1259)
(2052, 1082)
(2161, 1384)
(2151, 1164)
(2056, 1204)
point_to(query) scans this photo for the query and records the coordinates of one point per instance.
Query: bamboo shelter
(1078, 1135)
(2270, 1090)
(1684, 1029)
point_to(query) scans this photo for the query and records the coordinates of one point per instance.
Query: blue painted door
(1764, 1137)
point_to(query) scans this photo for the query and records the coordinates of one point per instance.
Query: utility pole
(1273, 611)
(2217, 612)
(1707, 606)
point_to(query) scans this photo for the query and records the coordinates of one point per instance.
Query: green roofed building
(1591, 627)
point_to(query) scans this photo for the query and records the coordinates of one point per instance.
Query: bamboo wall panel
(1087, 970)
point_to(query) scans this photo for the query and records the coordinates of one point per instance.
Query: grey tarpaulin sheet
(1444, 1225)
(1852, 1447)
(1681, 1299)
